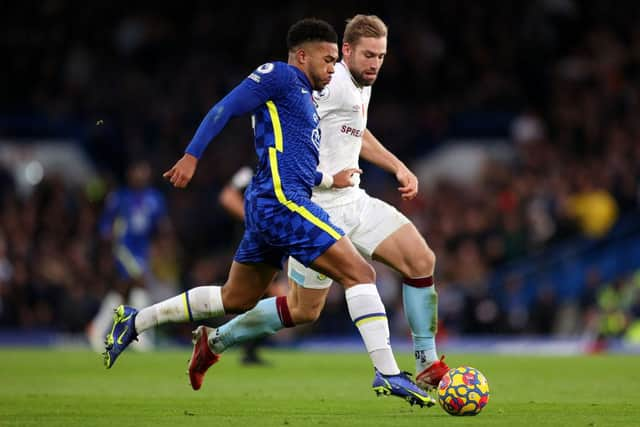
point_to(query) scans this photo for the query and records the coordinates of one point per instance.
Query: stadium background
(521, 119)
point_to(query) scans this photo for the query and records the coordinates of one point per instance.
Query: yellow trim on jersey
(275, 121)
(277, 183)
(275, 175)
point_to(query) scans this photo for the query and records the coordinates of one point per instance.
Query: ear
(347, 49)
(301, 56)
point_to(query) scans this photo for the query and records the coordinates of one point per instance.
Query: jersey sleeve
(267, 82)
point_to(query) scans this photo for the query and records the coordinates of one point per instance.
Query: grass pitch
(40, 387)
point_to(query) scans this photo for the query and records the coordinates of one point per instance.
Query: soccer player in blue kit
(280, 218)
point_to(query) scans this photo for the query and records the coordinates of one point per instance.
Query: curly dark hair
(310, 30)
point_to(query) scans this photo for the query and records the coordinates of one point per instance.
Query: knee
(363, 273)
(420, 264)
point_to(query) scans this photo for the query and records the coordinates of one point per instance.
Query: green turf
(71, 388)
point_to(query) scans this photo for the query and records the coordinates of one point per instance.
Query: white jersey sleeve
(342, 108)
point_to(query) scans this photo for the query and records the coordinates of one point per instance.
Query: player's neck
(291, 60)
(355, 82)
(301, 73)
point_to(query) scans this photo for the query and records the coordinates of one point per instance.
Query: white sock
(140, 297)
(198, 303)
(369, 316)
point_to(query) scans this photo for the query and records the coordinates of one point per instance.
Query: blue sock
(421, 311)
(262, 320)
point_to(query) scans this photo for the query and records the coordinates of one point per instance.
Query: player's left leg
(406, 251)
(244, 287)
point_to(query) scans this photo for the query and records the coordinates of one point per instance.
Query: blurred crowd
(565, 74)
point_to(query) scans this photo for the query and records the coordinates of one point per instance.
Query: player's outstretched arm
(374, 152)
(244, 98)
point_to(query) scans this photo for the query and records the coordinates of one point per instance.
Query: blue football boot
(402, 386)
(122, 333)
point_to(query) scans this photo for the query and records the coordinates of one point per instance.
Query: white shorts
(367, 221)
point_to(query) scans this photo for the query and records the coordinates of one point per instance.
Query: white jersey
(342, 108)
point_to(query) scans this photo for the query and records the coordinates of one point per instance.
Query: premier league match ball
(463, 391)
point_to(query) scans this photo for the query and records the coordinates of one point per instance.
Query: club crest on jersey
(265, 68)
(321, 95)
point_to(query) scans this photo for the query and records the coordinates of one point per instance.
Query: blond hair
(364, 26)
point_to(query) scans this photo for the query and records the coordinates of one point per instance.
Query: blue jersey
(280, 218)
(285, 123)
(287, 135)
(131, 218)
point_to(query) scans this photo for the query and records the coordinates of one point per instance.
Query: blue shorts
(275, 231)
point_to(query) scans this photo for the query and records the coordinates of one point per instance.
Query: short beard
(360, 80)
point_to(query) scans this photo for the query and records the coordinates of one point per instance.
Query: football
(463, 391)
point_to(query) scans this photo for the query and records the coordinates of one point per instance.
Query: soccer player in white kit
(377, 229)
